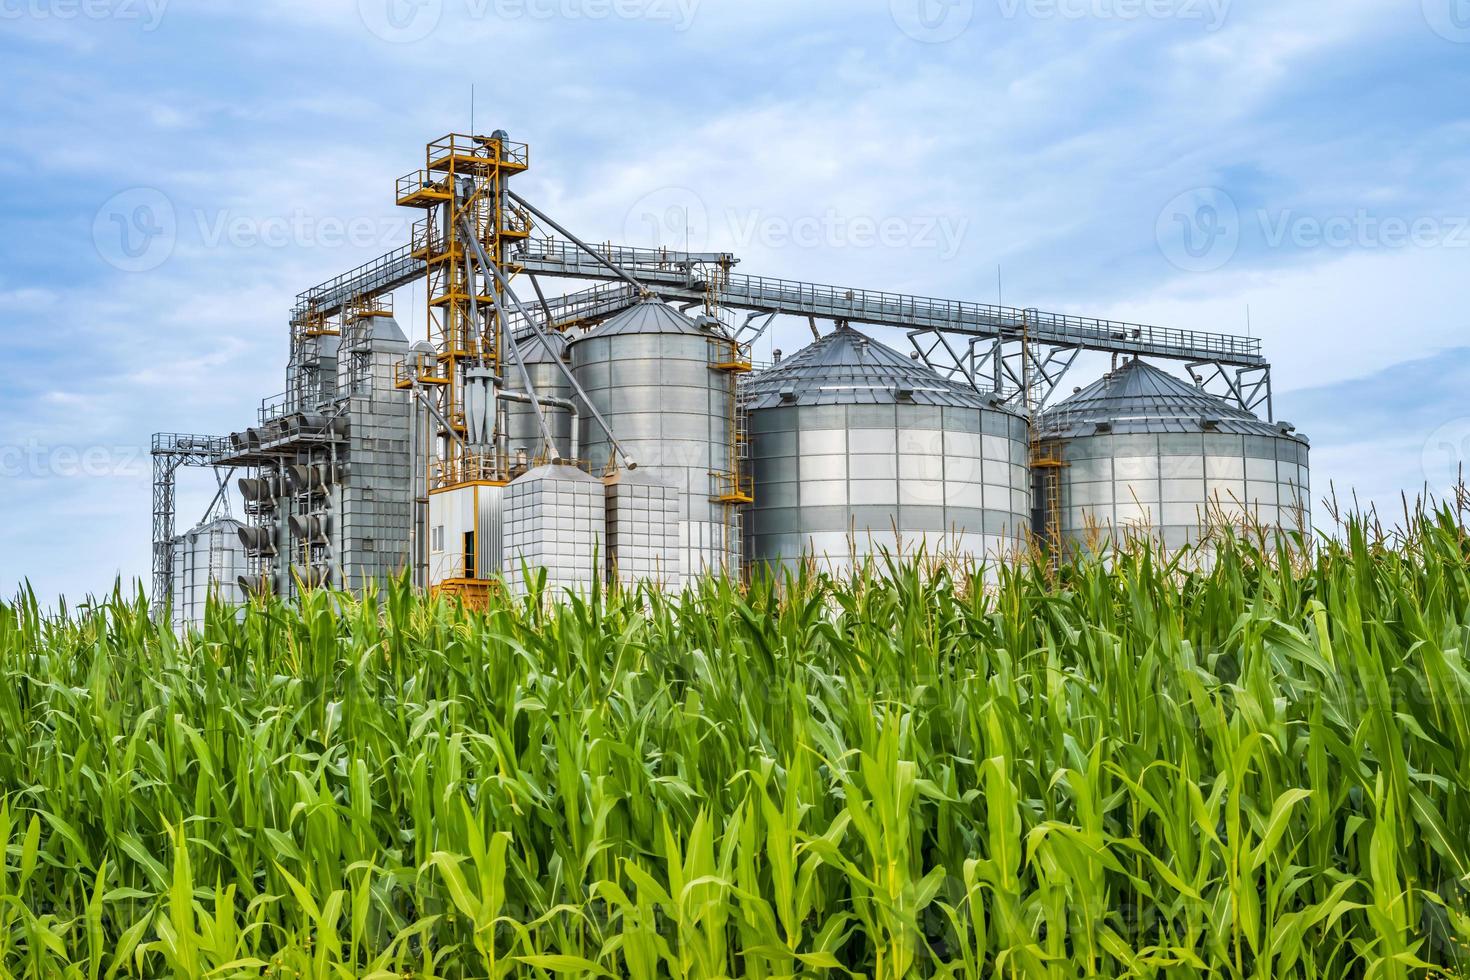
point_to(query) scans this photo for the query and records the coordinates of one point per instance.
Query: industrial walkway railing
(687, 276)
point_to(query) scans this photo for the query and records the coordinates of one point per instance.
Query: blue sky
(1167, 161)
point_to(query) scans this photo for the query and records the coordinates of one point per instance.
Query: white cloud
(1321, 323)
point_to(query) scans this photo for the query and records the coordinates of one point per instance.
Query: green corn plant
(1130, 765)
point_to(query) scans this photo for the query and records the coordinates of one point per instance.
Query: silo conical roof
(534, 351)
(1141, 398)
(850, 368)
(226, 525)
(648, 316)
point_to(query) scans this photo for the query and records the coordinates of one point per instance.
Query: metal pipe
(502, 426)
(576, 430)
(500, 277)
(469, 271)
(421, 489)
(221, 494)
(415, 529)
(509, 341)
(617, 269)
(449, 429)
(567, 403)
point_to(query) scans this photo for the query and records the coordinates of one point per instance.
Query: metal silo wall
(555, 519)
(642, 531)
(372, 501)
(838, 482)
(208, 559)
(1167, 482)
(671, 411)
(521, 425)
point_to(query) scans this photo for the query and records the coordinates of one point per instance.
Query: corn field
(1117, 769)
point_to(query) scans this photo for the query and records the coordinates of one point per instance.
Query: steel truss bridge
(1021, 353)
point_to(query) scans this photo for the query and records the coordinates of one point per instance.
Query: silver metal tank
(549, 382)
(857, 448)
(653, 374)
(207, 560)
(1143, 450)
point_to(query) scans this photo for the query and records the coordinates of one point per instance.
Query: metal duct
(315, 577)
(258, 540)
(311, 527)
(315, 478)
(255, 490)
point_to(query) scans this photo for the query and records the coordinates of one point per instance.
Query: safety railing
(687, 275)
(469, 468)
(274, 407)
(629, 257)
(896, 309)
(731, 488)
(184, 443)
(421, 187)
(383, 274)
(463, 147)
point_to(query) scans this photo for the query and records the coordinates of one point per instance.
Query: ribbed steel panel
(642, 530)
(554, 520)
(207, 560)
(1147, 452)
(372, 540)
(857, 449)
(650, 373)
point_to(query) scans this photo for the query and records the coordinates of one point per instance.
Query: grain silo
(207, 561)
(662, 381)
(548, 381)
(1142, 449)
(856, 447)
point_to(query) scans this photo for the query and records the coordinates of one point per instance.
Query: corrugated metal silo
(1142, 448)
(642, 531)
(207, 560)
(652, 373)
(856, 447)
(549, 382)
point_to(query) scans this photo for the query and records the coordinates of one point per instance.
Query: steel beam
(172, 450)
